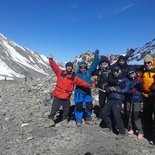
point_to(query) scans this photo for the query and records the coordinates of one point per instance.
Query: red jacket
(65, 82)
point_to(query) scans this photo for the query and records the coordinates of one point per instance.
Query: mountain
(20, 62)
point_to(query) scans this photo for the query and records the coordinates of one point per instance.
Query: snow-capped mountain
(19, 62)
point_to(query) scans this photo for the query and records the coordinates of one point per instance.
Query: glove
(96, 52)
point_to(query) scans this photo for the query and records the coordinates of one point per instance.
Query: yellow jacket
(148, 79)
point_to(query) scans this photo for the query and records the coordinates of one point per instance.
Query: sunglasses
(148, 62)
(83, 67)
(116, 71)
(121, 60)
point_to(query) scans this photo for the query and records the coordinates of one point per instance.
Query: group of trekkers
(120, 86)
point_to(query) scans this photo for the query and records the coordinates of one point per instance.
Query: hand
(90, 86)
(50, 56)
(114, 89)
(97, 52)
(111, 88)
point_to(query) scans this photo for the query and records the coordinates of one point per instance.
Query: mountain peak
(18, 62)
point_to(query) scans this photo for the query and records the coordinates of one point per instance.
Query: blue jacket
(86, 76)
(135, 91)
(121, 84)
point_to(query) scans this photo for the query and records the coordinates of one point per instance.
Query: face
(83, 68)
(69, 68)
(148, 65)
(117, 73)
(132, 75)
(121, 62)
(103, 65)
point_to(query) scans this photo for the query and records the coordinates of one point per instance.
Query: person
(134, 103)
(122, 64)
(148, 74)
(66, 81)
(102, 79)
(82, 96)
(117, 87)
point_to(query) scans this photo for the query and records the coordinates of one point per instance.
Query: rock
(24, 124)
(30, 138)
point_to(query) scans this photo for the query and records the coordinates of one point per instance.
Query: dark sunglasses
(116, 71)
(121, 60)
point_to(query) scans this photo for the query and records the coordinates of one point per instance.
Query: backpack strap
(64, 74)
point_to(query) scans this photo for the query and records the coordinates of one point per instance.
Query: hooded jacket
(86, 76)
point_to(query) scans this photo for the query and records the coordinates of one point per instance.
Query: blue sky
(67, 28)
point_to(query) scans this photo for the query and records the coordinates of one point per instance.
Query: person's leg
(102, 98)
(88, 107)
(78, 100)
(88, 110)
(137, 117)
(106, 111)
(116, 109)
(147, 117)
(65, 107)
(55, 107)
(129, 117)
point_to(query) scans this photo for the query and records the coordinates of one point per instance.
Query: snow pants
(83, 105)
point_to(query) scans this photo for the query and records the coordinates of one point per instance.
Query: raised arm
(95, 62)
(54, 66)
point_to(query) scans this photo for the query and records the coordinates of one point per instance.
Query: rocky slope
(24, 107)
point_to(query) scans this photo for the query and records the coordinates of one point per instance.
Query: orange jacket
(148, 79)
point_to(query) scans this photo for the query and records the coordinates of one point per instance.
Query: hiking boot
(130, 132)
(107, 130)
(49, 124)
(89, 122)
(50, 116)
(78, 124)
(65, 123)
(140, 136)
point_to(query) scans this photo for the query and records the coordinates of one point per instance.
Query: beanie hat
(115, 69)
(131, 70)
(69, 64)
(104, 59)
(121, 57)
(148, 58)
